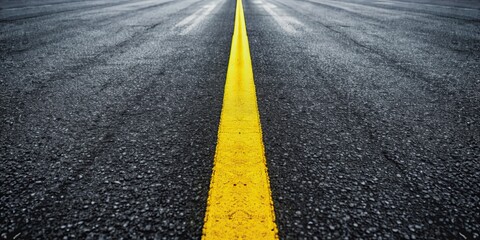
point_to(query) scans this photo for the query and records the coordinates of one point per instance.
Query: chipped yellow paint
(239, 202)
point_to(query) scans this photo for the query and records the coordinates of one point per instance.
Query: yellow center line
(239, 202)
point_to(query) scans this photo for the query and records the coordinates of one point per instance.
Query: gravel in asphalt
(370, 112)
(109, 119)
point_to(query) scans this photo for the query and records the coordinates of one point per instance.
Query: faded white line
(286, 22)
(426, 4)
(188, 19)
(193, 20)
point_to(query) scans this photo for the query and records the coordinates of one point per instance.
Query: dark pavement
(109, 119)
(109, 112)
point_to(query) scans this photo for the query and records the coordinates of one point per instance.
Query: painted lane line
(284, 21)
(209, 8)
(190, 18)
(198, 16)
(239, 203)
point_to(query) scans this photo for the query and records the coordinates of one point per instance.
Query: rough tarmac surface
(109, 118)
(370, 112)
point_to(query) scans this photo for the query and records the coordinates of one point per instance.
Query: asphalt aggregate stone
(370, 113)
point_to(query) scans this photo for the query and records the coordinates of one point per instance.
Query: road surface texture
(370, 111)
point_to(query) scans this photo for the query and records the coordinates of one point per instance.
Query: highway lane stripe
(190, 18)
(286, 22)
(239, 202)
(193, 20)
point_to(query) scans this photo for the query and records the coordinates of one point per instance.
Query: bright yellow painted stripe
(239, 202)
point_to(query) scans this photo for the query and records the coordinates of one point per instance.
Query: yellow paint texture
(239, 202)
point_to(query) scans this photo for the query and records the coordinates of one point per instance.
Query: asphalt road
(370, 111)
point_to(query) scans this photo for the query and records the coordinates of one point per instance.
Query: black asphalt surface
(370, 110)
(109, 118)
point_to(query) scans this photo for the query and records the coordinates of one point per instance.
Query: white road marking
(286, 22)
(133, 5)
(189, 18)
(426, 4)
(75, 4)
(193, 20)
